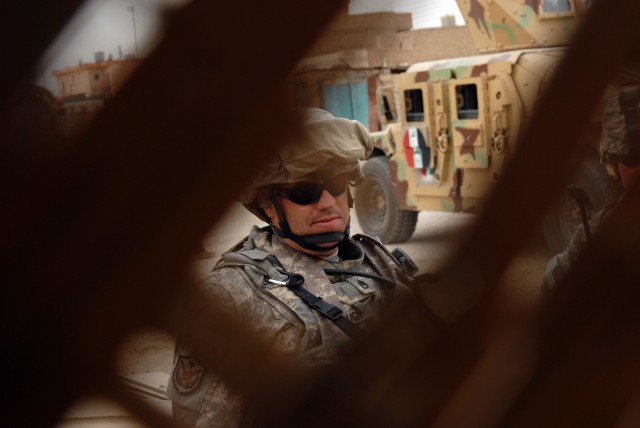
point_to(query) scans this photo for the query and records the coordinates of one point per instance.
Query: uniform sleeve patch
(187, 374)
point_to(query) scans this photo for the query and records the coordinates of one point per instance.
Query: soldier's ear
(265, 200)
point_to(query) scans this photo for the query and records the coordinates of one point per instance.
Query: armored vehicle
(449, 126)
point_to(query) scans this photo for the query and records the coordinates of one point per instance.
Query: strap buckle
(325, 309)
(294, 280)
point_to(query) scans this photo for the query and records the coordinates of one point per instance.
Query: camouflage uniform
(561, 263)
(328, 147)
(283, 319)
(614, 149)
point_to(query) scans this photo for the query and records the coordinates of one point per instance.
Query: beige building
(85, 87)
(357, 54)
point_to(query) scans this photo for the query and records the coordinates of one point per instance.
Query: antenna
(135, 36)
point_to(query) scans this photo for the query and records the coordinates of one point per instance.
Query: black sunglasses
(309, 192)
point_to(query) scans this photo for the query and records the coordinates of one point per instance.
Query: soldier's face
(329, 214)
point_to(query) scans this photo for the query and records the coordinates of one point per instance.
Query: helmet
(326, 146)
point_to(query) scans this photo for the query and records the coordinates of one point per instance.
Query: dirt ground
(152, 350)
(146, 351)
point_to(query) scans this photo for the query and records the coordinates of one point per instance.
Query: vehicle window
(414, 106)
(387, 108)
(467, 101)
(554, 6)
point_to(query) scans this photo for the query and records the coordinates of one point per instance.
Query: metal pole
(135, 36)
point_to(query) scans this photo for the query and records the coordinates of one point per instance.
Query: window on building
(448, 20)
(414, 105)
(96, 76)
(467, 101)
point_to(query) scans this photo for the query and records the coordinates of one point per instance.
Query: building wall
(368, 48)
(409, 47)
(390, 35)
(96, 77)
(73, 82)
(83, 89)
(94, 80)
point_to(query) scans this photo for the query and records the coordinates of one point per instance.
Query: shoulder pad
(256, 258)
(404, 262)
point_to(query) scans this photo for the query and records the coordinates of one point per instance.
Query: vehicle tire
(376, 206)
(564, 216)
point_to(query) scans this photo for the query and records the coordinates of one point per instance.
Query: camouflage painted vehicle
(450, 125)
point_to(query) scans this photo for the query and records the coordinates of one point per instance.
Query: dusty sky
(107, 26)
(426, 13)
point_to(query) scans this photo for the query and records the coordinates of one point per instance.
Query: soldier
(620, 153)
(274, 276)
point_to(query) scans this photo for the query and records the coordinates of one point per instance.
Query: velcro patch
(187, 374)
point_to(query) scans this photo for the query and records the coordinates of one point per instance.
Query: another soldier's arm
(561, 263)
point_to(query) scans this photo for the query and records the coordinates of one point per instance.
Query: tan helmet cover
(340, 141)
(326, 147)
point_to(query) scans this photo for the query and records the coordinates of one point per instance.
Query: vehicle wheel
(563, 217)
(376, 206)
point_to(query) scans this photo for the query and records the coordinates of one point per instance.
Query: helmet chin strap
(308, 242)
